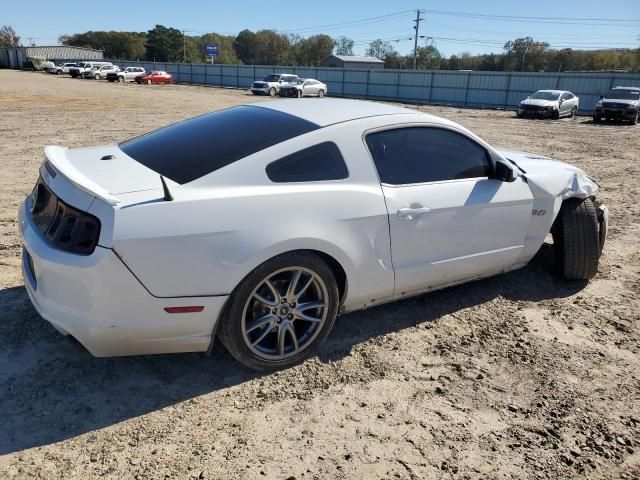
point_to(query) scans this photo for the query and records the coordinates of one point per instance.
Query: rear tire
(321, 93)
(596, 119)
(576, 239)
(258, 346)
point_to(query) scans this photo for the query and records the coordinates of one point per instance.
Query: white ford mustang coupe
(258, 224)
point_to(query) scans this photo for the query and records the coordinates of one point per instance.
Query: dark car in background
(622, 104)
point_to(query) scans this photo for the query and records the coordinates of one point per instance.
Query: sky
(453, 26)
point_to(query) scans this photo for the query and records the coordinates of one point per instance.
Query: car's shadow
(51, 389)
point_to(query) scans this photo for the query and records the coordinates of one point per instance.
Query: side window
(426, 154)
(565, 96)
(320, 162)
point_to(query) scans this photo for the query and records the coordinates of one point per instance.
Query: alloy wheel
(285, 313)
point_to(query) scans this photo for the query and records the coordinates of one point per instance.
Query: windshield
(272, 78)
(297, 81)
(623, 94)
(541, 95)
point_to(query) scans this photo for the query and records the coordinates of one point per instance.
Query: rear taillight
(62, 225)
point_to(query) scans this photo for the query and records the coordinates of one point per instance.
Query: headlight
(631, 107)
(550, 107)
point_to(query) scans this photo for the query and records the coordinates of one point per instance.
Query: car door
(565, 105)
(449, 220)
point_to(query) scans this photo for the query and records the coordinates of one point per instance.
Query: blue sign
(211, 49)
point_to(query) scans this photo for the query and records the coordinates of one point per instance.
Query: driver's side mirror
(504, 172)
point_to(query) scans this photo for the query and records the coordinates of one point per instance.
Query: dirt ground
(519, 376)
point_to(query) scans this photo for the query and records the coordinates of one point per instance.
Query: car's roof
(336, 110)
(554, 91)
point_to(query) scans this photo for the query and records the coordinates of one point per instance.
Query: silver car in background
(302, 87)
(549, 104)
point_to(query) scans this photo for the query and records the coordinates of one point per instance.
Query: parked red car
(155, 76)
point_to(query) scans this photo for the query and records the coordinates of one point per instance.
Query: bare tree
(8, 37)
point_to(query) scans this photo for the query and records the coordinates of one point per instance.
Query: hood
(551, 174)
(539, 102)
(618, 101)
(112, 180)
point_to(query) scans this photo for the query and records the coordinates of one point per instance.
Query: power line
(512, 17)
(352, 23)
(632, 23)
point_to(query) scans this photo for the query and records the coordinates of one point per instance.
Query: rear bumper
(97, 300)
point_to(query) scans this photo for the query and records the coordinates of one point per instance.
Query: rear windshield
(191, 149)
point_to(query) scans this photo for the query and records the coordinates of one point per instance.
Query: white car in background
(61, 68)
(549, 104)
(258, 224)
(100, 72)
(303, 87)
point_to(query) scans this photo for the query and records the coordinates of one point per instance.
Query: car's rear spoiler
(58, 160)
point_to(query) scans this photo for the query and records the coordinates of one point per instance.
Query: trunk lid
(105, 172)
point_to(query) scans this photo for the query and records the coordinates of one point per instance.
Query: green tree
(164, 44)
(313, 50)
(395, 60)
(244, 46)
(129, 45)
(226, 52)
(428, 58)
(272, 48)
(344, 46)
(526, 54)
(379, 49)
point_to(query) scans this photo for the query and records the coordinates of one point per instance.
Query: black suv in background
(622, 103)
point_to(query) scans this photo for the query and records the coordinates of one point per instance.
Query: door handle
(410, 212)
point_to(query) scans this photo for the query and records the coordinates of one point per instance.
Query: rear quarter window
(318, 163)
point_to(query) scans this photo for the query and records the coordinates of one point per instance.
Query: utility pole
(184, 48)
(415, 39)
(524, 55)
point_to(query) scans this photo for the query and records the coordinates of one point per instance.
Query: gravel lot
(519, 376)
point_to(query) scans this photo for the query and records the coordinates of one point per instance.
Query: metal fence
(439, 87)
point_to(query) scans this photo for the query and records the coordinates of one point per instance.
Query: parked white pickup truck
(129, 74)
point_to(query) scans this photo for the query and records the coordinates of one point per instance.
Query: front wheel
(97, 76)
(596, 119)
(636, 118)
(148, 82)
(121, 79)
(299, 93)
(281, 312)
(272, 92)
(576, 239)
